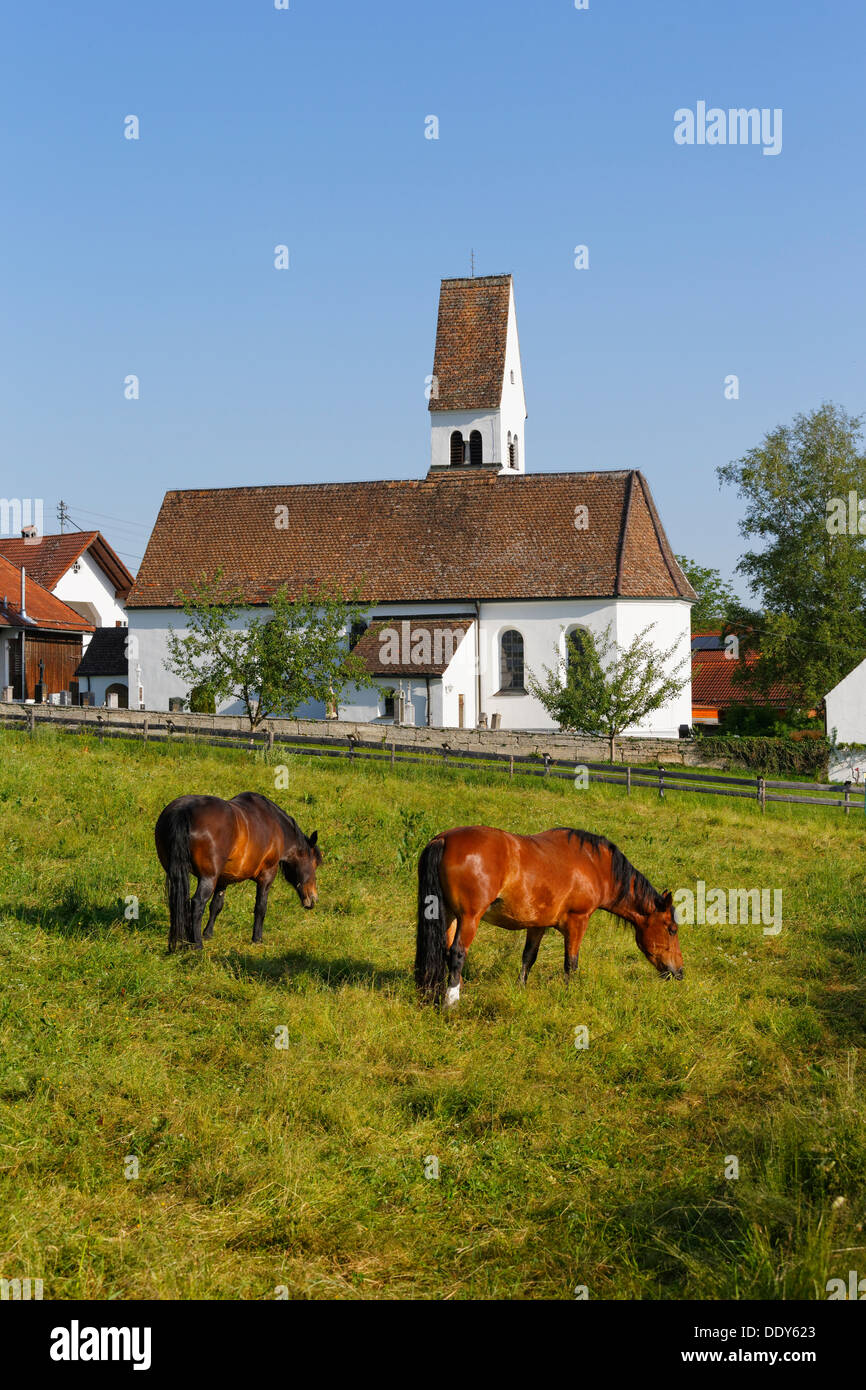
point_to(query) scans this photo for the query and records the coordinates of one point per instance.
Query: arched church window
(515, 453)
(475, 447)
(574, 648)
(511, 661)
(456, 449)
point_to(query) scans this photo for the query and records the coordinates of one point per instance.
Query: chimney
(29, 533)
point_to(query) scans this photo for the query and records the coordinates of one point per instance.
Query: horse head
(656, 935)
(300, 865)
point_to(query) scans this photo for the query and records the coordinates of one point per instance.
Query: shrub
(201, 700)
(773, 757)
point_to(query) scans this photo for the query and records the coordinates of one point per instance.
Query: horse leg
(202, 893)
(463, 938)
(217, 903)
(530, 951)
(573, 933)
(263, 886)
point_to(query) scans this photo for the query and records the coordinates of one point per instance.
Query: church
(475, 575)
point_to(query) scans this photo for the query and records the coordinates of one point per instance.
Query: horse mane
(288, 822)
(631, 883)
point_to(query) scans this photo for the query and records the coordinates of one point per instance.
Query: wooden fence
(161, 728)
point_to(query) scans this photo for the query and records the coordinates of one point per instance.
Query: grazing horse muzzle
(308, 897)
(669, 973)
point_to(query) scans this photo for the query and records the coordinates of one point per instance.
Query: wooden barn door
(60, 653)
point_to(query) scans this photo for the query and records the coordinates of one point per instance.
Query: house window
(457, 449)
(511, 661)
(475, 447)
(389, 705)
(359, 627)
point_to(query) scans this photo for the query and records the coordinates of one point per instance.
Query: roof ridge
(434, 479)
(663, 542)
(623, 534)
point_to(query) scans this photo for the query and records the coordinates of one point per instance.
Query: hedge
(774, 757)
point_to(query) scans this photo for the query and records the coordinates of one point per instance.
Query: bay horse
(554, 879)
(224, 842)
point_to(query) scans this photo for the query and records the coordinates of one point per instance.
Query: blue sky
(306, 127)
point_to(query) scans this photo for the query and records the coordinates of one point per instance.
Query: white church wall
(512, 414)
(444, 422)
(672, 624)
(147, 647)
(543, 626)
(540, 624)
(459, 679)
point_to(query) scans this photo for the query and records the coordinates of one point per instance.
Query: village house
(845, 713)
(716, 664)
(41, 638)
(474, 575)
(80, 569)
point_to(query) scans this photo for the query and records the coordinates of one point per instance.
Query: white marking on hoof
(451, 996)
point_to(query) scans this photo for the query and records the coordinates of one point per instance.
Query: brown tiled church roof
(447, 538)
(469, 361)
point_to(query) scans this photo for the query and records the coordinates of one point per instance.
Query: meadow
(309, 1168)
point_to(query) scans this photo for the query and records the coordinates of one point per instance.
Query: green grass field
(304, 1166)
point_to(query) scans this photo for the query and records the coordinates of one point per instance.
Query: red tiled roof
(48, 559)
(469, 360)
(43, 609)
(387, 646)
(448, 538)
(713, 684)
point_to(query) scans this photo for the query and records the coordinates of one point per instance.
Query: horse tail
(431, 954)
(177, 877)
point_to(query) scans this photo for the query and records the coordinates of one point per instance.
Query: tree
(716, 597)
(599, 688)
(274, 662)
(810, 574)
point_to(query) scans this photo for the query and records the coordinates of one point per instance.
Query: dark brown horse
(530, 882)
(224, 842)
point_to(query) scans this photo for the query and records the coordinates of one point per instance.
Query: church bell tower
(477, 405)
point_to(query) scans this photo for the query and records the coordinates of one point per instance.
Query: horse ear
(311, 839)
(668, 898)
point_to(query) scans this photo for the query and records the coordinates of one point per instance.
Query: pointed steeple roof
(471, 334)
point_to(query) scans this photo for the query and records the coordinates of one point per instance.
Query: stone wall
(564, 747)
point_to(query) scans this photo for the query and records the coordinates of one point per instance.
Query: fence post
(762, 793)
(144, 731)
(393, 750)
(847, 797)
(101, 722)
(511, 765)
(547, 764)
(661, 782)
(270, 740)
(628, 780)
(31, 717)
(351, 738)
